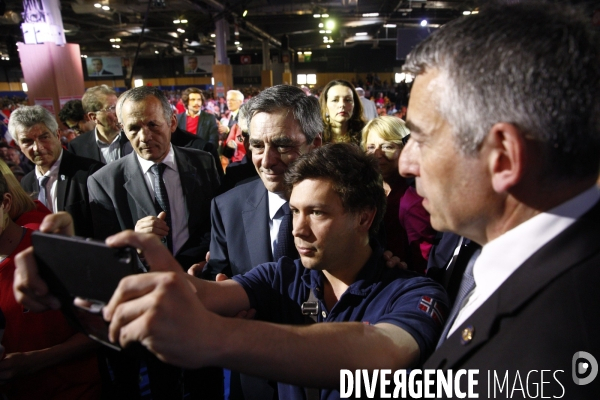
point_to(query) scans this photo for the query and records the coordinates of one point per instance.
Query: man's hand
(16, 365)
(29, 288)
(152, 224)
(392, 261)
(196, 269)
(222, 128)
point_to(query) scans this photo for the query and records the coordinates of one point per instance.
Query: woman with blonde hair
(24, 211)
(342, 113)
(408, 231)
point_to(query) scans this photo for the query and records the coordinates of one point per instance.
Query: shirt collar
(495, 264)
(53, 171)
(169, 161)
(276, 200)
(100, 143)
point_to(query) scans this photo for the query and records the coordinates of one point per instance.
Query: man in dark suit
(196, 121)
(105, 142)
(98, 68)
(59, 178)
(171, 200)
(513, 167)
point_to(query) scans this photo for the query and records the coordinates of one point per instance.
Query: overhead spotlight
(97, 5)
(330, 24)
(299, 53)
(156, 52)
(320, 24)
(244, 13)
(474, 12)
(361, 33)
(424, 22)
(239, 48)
(112, 40)
(180, 30)
(117, 39)
(324, 15)
(106, 8)
(389, 25)
(325, 38)
(213, 35)
(236, 42)
(24, 86)
(83, 56)
(327, 31)
(466, 12)
(370, 15)
(184, 21)
(316, 15)
(321, 31)
(328, 46)
(176, 21)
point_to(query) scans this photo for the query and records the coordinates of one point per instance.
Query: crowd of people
(300, 236)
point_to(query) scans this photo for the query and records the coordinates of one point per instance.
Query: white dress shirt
(179, 211)
(276, 200)
(505, 254)
(52, 173)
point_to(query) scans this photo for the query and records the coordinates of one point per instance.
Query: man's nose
(408, 164)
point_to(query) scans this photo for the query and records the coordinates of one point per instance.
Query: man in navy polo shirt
(385, 318)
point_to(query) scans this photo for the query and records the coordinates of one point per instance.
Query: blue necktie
(467, 285)
(42, 197)
(285, 239)
(162, 198)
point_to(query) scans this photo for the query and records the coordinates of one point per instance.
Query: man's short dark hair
(531, 64)
(141, 93)
(286, 97)
(354, 176)
(185, 96)
(72, 110)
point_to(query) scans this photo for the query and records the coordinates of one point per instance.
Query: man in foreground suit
(127, 194)
(59, 178)
(505, 145)
(104, 142)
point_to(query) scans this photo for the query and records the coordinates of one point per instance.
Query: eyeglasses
(111, 109)
(75, 128)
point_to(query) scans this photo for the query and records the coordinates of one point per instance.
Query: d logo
(584, 363)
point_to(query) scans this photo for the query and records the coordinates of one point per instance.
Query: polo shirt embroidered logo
(433, 308)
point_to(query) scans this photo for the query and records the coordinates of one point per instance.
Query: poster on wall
(47, 103)
(198, 64)
(104, 66)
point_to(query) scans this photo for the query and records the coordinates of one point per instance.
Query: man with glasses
(74, 118)
(105, 143)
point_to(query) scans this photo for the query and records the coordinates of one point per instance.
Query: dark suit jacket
(71, 189)
(182, 138)
(544, 313)
(238, 172)
(119, 198)
(240, 237)
(207, 127)
(85, 146)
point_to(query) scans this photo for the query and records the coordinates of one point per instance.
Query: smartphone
(78, 267)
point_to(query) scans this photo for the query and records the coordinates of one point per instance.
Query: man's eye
(317, 213)
(283, 149)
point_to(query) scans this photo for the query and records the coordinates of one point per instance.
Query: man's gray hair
(305, 108)
(91, 98)
(360, 91)
(24, 118)
(237, 94)
(141, 93)
(530, 64)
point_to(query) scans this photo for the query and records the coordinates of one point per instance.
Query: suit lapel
(189, 185)
(62, 180)
(256, 225)
(565, 251)
(135, 184)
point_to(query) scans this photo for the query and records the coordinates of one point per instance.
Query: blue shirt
(379, 295)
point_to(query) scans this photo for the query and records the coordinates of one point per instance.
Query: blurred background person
(196, 121)
(408, 231)
(342, 113)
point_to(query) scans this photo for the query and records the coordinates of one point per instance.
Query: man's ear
(317, 142)
(506, 156)
(92, 116)
(173, 122)
(6, 202)
(365, 219)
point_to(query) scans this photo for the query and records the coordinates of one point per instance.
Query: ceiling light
(316, 15)
(328, 46)
(106, 8)
(176, 21)
(184, 21)
(213, 35)
(324, 15)
(321, 31)
(244, 13)
(97, 5)
(156, 51)
(236, 42)
(299, 53)
(389, 25)
(24, 86)
(83, 56)
(117, 39)
(307, 53)
(330, 24)
(330, 40)
(325, 38)
(116, 46)
(180, 30)
(327, 31)
(138, 82)
(112, 40)
(369, 15)
(424, 22)
(466, 12)
(239, 48)
(475, 12)
(320, 24)
(361, 33)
